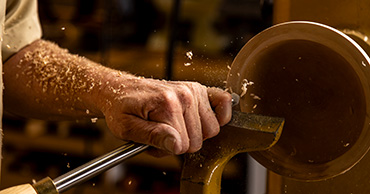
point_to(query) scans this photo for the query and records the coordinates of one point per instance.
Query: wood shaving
(93, 120)
(255, 96)
(244, 88)
(189, 54)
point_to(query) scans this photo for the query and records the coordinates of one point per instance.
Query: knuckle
(187, 96)
(169, 100)
(177, 99)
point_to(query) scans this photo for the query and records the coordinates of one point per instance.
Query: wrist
(106, 88)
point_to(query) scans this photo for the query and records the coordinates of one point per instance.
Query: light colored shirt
(19, 26)
(22, 26)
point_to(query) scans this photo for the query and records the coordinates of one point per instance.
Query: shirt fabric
(19, 26)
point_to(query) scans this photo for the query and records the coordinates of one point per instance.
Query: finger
(221, 103)
(159, 135)
(209, 121)
(176, 140)
(172, 116)
(193, 122)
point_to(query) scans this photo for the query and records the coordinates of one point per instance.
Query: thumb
(156, 134)
(171, 141)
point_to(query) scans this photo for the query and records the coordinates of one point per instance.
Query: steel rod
(97, 166)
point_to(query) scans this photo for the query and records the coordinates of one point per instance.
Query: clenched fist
(173, 116)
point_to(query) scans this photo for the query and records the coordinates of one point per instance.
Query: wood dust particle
(189, 54)
(93, 120)
(255, 96)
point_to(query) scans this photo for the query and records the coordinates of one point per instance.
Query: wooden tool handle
(19, 189)
(44, 186)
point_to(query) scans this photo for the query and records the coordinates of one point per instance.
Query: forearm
(45, 81)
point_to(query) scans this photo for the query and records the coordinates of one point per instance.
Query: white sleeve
(22, 26)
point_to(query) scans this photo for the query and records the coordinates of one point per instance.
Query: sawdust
(58, 72)
(67, 76)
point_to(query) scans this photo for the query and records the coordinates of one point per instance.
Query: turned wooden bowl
(317, 78)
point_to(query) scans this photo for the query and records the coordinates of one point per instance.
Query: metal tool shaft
(97, 166)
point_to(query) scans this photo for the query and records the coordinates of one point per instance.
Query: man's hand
(173, 116)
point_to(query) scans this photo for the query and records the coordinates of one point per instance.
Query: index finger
(221, 103)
